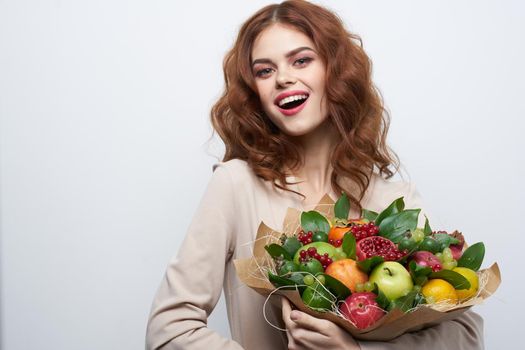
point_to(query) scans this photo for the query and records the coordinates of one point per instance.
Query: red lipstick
(290, 112)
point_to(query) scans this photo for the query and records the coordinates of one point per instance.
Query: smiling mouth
(295, 101)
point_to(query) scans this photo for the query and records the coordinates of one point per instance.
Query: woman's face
(290, 79)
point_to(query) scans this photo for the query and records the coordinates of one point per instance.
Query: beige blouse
(223, 229)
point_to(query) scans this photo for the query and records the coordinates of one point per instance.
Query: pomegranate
(428, 259)
(362, 309)
(377, 246)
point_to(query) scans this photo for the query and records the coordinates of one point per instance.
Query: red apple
(362, 309)
(428, 259)
(457, 251)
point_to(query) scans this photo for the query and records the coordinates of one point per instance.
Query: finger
(290, 325)
(286, 307)
(304, 320)
(286, 310)
(304, 338)
(291, 344)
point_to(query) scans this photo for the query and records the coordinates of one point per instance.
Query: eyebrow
(288, 55)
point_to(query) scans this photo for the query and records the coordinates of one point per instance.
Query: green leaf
(404, 303)
(291, 245)
(349, 245)
(416, 269)
(427, 230)
(336, 287)
(275, 251)
(452, 277)
(368, 265)
(419, 273)
(342, 207)
(314, 221)
(381, 298)
(368, 214)
(445, 240)
(395, 226)
(472, 258)
(278, 281)
(394, 208)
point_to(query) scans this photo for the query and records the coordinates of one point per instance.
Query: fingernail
(294, 315)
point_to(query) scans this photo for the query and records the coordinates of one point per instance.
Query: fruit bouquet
(377, 276)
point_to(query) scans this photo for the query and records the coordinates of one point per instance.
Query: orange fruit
(347, 272)
(337, 233)
(438, 290)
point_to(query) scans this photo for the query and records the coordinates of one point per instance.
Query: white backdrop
(104, 122)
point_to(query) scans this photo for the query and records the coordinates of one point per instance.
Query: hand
(307, 332)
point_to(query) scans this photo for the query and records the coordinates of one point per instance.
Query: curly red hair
(355, 106)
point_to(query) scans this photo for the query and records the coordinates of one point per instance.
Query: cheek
(317, 77)
(320, 85)
(265, 96)
(320, 80)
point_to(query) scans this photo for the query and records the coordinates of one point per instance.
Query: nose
(284, 78)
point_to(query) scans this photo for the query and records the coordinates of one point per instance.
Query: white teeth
(292, 98)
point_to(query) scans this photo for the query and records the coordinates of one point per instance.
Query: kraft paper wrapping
(254, 273)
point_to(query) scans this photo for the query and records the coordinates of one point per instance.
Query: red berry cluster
(305, 238)
(361, 231)
(335, 242)
(311, 253)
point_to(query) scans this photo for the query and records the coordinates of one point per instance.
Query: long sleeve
(462, 333)
(194, 278)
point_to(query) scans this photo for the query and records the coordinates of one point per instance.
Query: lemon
(472, 277)
(438, 290)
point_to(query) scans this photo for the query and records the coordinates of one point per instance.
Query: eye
(263, 72)
(303, 61)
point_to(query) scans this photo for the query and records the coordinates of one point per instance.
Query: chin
(297, 125)
(299, 129)
(297, 132)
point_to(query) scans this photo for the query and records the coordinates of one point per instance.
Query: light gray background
(104, 122)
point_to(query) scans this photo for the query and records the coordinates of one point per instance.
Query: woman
(299, 117)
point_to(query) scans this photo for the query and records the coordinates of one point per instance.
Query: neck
(316, 150)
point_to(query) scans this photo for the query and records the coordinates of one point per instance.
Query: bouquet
(377, 276)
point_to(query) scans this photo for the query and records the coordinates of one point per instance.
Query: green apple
(392, 279)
